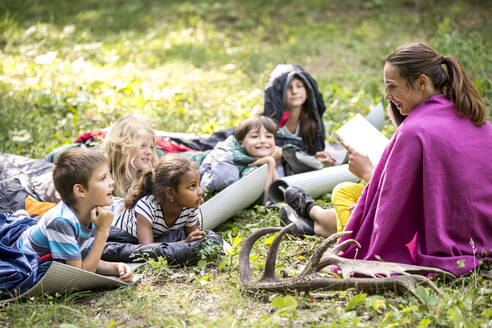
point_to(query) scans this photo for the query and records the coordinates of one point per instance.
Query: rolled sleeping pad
(317, 183)
(232, 199)
(376, 116)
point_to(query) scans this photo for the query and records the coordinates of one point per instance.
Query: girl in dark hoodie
(293, 100)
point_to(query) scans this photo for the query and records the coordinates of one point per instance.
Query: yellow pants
(345, 195)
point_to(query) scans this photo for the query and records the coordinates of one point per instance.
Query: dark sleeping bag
(18, 271)
(124, 247)
(21, 177)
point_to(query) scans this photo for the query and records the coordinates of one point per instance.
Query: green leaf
(487, 313)
(68, 325)
(376, 302)
(202, 264)
(461, 263)
(269, 241)
(356, 300)
(455, 315)
(236, 240)
(424, 323)
(388, 321)
(286, 305)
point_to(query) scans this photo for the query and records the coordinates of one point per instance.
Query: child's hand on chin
(194, 236)
(264, 160)
(102, 217)
(125, 272)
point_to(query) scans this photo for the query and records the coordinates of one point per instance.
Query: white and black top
(126, 219)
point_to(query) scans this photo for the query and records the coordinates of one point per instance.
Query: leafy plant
(157, 267)
(355, 301)
(286, 305)
(230, 258)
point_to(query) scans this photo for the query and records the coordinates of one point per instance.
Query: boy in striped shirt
(77, 228)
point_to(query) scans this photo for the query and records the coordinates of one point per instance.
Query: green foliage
(355, 301)
(471, 51)
(157, 267)
(286, 305)
(230, 259)
(209, 254)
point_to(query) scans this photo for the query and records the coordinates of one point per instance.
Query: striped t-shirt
(126, 219)
(60, 232)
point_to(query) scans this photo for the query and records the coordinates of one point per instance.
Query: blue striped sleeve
(65, 251)
(62, 236)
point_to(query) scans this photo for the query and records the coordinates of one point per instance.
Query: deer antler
(383, 275)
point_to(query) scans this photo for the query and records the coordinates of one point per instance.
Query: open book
(362, 136)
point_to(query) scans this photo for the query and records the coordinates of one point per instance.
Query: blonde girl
(129, 147)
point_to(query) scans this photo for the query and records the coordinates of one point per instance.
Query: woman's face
(259, 143)
(296, 94)
(142, 155)
(399, 92)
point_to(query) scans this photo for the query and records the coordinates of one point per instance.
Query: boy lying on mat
(76, 229)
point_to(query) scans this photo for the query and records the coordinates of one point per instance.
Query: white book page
(363, 137)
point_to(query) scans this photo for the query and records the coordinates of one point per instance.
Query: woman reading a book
(324, 222)
(429, 200)
(293, 100)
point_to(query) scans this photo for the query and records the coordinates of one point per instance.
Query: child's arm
(193, 234)
(325, 158)
(102, 218)
(144, 230)
(272, 172)
(120, 269)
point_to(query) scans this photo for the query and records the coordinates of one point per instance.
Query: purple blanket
(429, 201)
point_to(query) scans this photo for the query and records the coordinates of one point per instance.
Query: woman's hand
(359, 164)
(325, 158)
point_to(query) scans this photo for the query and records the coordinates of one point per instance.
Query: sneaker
(302, 226)
(299, 200)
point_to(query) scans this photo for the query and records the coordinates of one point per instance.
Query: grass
(67, 67)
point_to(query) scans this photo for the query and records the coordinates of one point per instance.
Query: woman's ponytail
(460, 89)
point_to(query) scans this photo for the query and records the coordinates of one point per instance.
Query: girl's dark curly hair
(167, 173)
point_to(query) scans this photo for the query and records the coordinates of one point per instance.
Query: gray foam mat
(62, 277)
(232, 199)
